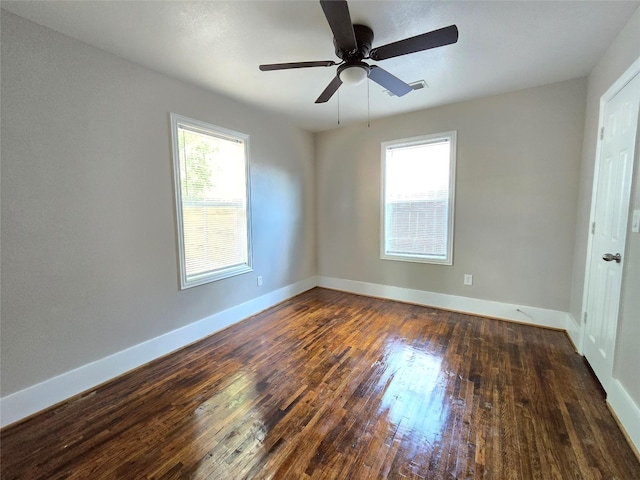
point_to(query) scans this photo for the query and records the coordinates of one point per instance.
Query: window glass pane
(212, 170)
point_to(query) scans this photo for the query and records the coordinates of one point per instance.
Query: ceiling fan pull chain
(338, 107)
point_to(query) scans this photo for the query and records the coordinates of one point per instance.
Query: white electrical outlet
(259, 280)
(468, 279)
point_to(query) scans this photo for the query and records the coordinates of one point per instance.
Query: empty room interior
(320, 239)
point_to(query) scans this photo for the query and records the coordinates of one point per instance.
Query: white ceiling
(218, 45)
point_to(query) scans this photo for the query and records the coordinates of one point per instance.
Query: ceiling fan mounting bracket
(364, 40)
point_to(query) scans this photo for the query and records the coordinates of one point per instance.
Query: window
(211, 172)
(418, 179)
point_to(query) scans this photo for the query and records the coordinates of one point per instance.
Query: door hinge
(585, 318)
(593, 228)
(601, 133)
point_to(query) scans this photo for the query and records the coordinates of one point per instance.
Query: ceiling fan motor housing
(364, 39)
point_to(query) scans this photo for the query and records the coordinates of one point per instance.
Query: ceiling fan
(353, 45)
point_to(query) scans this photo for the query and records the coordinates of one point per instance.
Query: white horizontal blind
(213, 203)
(418, 199)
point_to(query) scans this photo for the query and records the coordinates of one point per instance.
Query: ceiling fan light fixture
(353, 74)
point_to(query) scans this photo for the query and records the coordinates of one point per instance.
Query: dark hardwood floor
(338, 386)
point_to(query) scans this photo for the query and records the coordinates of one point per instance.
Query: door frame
(611, 92)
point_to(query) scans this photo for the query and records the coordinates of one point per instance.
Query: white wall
(89, 263)
(517, 168)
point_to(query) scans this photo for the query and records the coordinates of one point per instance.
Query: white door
(609, 230)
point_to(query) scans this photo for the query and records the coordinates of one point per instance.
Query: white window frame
(220, 132)
(407, 142)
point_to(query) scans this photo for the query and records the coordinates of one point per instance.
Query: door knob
(607, 257)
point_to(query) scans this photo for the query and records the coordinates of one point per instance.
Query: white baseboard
(626, 410)
(517, 313)
(26, 402)
(573, 330)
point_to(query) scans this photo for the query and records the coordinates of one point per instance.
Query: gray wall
(517, 168)
(89, 263)
(616, 60)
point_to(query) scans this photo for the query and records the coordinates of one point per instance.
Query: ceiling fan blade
(284, 66)
(436, 38)
(389, 81)
(330, 90)
(337, 13)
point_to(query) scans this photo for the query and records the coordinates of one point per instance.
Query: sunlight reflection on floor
(233, 399)
(414, 399)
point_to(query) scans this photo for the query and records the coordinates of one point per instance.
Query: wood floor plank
(330, 385)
